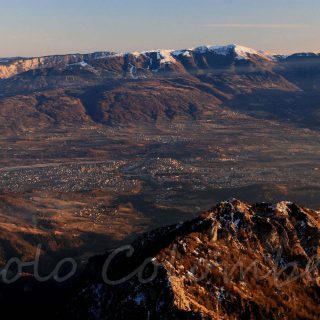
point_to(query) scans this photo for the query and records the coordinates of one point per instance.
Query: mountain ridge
(158, 86)
(236, 260)
(16, 65)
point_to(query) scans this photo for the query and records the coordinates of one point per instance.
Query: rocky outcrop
(237, 261)
(13, 66)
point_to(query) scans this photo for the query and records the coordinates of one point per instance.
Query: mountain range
(155, 86)
(153, 60)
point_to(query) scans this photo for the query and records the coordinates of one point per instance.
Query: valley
(99, 148)
(83, 190)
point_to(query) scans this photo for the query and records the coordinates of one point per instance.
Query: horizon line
(256, 25)
(149, 50)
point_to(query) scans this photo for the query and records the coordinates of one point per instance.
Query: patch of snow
(236, 223)
(179, 225)
(281, 207)
(132, 67)
(139, 298)
(185, 53)
(221, 294)
(98, 294)
(241, 52)
(136, 54)
(81, 64)
(302, 224)
(190, 274)
(164, 56)
(104, 55)
(281, 56)
(201, 49)
(306, 54)
(4, 60)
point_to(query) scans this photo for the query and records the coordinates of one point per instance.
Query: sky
(34, 27)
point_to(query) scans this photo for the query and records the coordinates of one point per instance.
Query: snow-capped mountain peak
(154, 59)
(241, 52)
(169, 56)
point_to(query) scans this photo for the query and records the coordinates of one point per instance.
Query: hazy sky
(34, 27)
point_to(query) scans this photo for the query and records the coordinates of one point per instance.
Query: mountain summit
(235, 261)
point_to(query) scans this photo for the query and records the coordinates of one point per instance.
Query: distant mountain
(153, 60)
(160, 85)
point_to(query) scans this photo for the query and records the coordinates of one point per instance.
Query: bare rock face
(238, 261)
(13, 66)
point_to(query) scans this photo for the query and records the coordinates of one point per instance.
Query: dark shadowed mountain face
(155, 86)
(236, 261)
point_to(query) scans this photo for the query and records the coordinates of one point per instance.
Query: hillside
(154, 86)
(235, 261)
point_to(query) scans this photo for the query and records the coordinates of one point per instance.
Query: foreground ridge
(235, 261)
